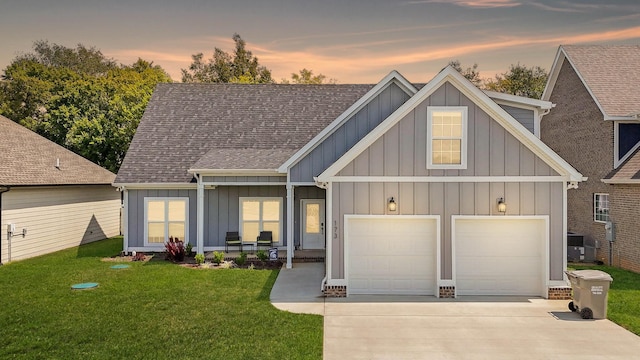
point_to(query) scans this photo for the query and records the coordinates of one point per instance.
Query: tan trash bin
(590, 293)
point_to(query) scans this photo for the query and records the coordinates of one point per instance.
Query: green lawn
(153, 310)
(624, 297)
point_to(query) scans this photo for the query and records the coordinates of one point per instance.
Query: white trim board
(450, 75)
(447, 179)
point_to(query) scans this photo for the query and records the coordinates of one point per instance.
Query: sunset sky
(352, 41)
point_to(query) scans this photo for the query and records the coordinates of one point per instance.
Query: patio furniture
(232, 239)
(264, 239)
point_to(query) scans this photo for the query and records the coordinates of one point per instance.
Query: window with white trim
(260, 214)
(447, 137)
(165, 218)
(600, 207)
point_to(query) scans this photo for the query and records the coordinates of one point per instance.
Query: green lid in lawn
(121, 266)
(84, 286)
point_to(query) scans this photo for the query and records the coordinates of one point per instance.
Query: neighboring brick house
(595, 126)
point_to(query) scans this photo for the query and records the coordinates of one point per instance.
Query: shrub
(262, 255)
(199, 259)
(218, 257)
(189, 249)
(240, 260)
(174, 249)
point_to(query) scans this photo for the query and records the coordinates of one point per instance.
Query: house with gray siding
(50, 197)
(595, 126)
(440, 189)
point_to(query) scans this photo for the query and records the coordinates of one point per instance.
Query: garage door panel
(391, 255)
(499, 257)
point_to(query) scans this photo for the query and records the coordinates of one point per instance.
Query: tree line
(92, 105)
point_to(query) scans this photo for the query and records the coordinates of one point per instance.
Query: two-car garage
(491, 255)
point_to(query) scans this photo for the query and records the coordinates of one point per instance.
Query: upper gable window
(447, 137)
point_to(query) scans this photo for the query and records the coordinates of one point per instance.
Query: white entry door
(313, 224)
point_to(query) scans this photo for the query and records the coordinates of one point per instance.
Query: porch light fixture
(502, 206)
(392, 204)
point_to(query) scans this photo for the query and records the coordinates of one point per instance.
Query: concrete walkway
(423, 327)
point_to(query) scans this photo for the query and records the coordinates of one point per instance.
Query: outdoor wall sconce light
(502, 206)
(392, 204)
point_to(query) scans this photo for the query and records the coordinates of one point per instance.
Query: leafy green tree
(520, 80)
(79, 99)
(305, 76)
(241, 67)
(471, 73)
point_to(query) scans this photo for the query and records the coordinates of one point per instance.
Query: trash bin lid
(592, 275)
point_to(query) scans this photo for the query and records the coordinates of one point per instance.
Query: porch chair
(264, 239)
(232, 239)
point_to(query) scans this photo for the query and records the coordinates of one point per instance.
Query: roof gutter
(3, 189)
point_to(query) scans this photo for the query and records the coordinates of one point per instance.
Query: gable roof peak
(610, 73)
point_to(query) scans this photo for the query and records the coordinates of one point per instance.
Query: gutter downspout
(3, 189)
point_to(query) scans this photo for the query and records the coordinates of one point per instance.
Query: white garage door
(391, 255)
(500, 256)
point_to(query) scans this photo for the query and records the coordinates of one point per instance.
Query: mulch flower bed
(190, 262)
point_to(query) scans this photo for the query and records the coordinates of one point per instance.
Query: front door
(312, 224)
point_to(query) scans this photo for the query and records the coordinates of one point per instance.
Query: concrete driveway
(422, 327)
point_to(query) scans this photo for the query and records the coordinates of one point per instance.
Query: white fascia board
(518, 101)
(621, 181)
(553, 74)
(235, 172)
(393, 77)
(155, 185)
(633, 118)
(481, 100)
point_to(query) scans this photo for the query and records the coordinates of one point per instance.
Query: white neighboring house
(50, 197)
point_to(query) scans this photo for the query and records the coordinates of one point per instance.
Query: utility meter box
(610, 231)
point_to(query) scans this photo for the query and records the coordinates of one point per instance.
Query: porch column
(290, 211)
(200, 216)
(125, 219)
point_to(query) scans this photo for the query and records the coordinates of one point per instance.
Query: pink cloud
(472, 3)
(366, 64)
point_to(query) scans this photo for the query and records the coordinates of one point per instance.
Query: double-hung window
(447, 137)
(600, 207)
(165, 218)
(260, 214)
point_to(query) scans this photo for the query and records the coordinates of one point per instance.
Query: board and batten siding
(492, 151)
(524, 116)
(348, 134)
(57, 218)
(136, 212)
(221, 211)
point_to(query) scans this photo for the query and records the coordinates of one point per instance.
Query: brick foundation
(447, 292)
(559, 293)
(335, 291)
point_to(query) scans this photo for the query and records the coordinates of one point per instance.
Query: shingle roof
(27, 158)
(612, 73)
(629, 170)
(228, 126)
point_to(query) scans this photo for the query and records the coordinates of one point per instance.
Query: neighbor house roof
(27, 158)
(228, 126)
(611, 74)
(627, 173)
